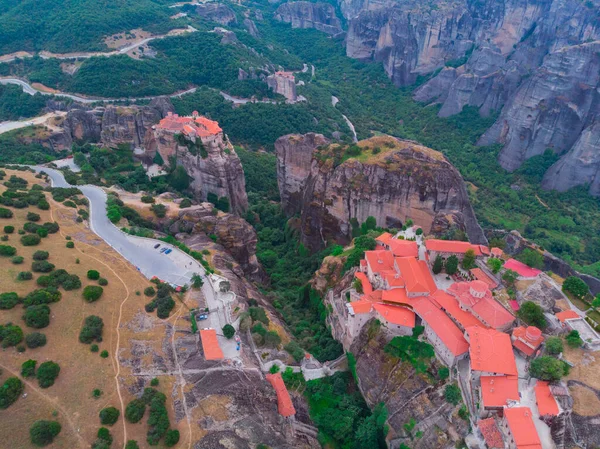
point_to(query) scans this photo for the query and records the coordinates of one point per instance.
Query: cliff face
(320, 16)
(402, 180)
(216, 12)
(537, 61)
(406, 395)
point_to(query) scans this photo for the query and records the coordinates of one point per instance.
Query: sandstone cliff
(400, 180)
(216, 12)
(406, 394)
(320, 16)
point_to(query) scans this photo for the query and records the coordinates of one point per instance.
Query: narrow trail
(49, 399)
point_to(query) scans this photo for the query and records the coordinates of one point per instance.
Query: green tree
(573, 339)
(596, 301)
(10, 392)
(179, 179)
(410, 349)
(452, 265)
(548, 368)
(28, 368)
(452, 394)
(92, 293)
(357, 285)
(468, 261)
(109, 416)
(35, 340)
(197, 281)
(132, 444)
(10, 335)
(228, 331)
(494, 264)
(135, 410)
(532, 314)
(42, 433)
(443, 373)
(172, 437)
(575, 286)
(438, 265)
(7, 251)
(37, 316)
(47, 373)
(510, 277)
(8, 300)
(554, 345)
(531, 258)
(91, 330)
(93, 275)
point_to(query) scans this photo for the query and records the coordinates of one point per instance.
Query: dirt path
(541, 202)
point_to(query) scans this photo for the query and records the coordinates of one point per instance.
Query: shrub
(532, 314)
(5, 213)
(4, 238)
(41, 266)
(158, 421)
(172, 437)
(70, 203)
(573, 339)
(149, 291)
(104, 354)
(41, 255)
(70, 245)
(272, 339)
(93, 275)
(438, 265)
(28, 368)
(228, 331)
(43, 205)
(24, 276)
(97, 393)
(52, 227)
(94, 348)
(30, 240)
(443, 373)
(43, 233)
(103, 282)
(42, 433)
(17, 260)
(6, 250)
(258, 314)
(185, 203)
(147, 199)
(452, 394)
(37, 316)
(10, 392)
(109, 416)
(10, 335)
(575, 286)
(9, 229)
(35, 340)
(132, 444)
(92, 293)
(31, 227)
(91, 330)
(42, 296)
(160, 210)
(32, 216)
(452, 265)
(295, 350)
(547, 368)
(154, 382)
(8, 300)
(135, 410)
(47, 374)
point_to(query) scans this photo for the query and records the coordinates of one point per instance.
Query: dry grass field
(140, 345)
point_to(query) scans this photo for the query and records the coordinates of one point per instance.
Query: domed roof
(533, 333)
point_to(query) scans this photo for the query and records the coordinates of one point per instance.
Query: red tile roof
(201, 126)
(284, 401)
(443, 326)
(527, 340)
(210, 127)
(380, 260)
(396, 296)
(366, 285)
(486, 307)
(521, 268)
(416, 275)
(491, 351)
(450, 305)
(361, 306)
(496, 391)
(404, 248)
(453, 246)
(491, 433)
(210, 345)
(482, 276)
(545, 399)
(566, 315)
(497, 252)
(394, 280)
(384, 238)
(396, 315)
(522, 427)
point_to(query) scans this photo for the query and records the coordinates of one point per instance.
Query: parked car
(157, 245)
(202, 317)
(169, 251)
(163, 250)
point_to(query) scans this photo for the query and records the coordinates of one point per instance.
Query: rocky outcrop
(233, 234)
(216, 12)
(320, 16)
(114, 125)
(407, 395)
(283, 83)
(401, 180)
(251, 27)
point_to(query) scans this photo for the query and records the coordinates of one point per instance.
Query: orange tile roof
(394, 280)
(380, 260)
(361, 306)
(209, 126)
(284, 401)
(497, 252)
(443, 326)
(210, 345)
(491, 351)
(521, 268)
(201, 126)
(450, 305)
(527, 340)
(496, 391)
(491, 433)
(482, 276)
(396, 296)
(404, 248)
(384, 238)
(396, 315)
(522, 427)
(366, 285)
(453, 246)
(566, 315)
(545, 399)
(416, 275)
(490, 310)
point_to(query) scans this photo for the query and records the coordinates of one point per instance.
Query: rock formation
(216, 12)
(283, 83)
(399, 181)
(320, 16)
(536, 61)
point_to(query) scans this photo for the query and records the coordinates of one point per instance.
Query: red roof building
(417, 276)
(496, 391)
(399, 316)
(491, 351)
(191, 126)
(396, 296)
(544, 398)
(481, 275)
(379, 262)
(522, 269)
(366, 285)
(449, 304)
(210, 345)
(284, 401)
(522, 433)
(455, 247)
(491, 434)
(361, 306)
(404, 248)
(496, 252)
(567, 315)
(476, 298)
(527, 339)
